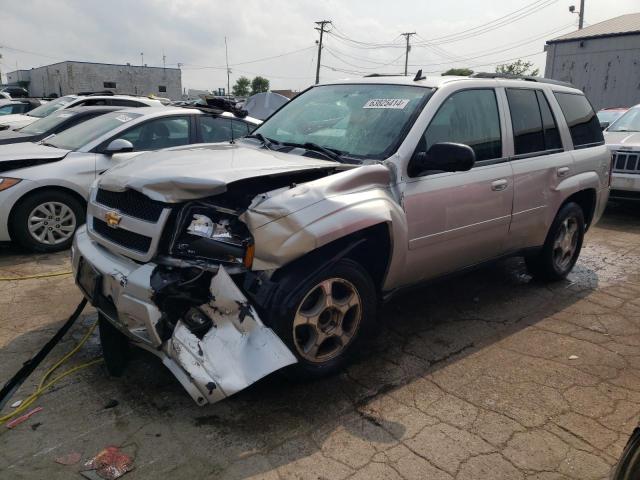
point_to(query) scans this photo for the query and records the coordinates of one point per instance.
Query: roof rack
(529, 78)
(383, 75)
(219, 105)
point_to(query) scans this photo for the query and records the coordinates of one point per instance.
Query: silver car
(232, 261)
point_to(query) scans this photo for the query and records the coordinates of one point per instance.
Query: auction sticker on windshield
(123, 118)
(398, 103)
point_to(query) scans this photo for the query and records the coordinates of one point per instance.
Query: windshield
(609, 115)
(76, 137)
(629, 122)
(365, 120)
(52, 106)
(47, 123)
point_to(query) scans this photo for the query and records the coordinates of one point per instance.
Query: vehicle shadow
(275, 423)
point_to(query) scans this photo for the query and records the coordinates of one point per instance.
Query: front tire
(325, 318)
(46, 221)
(562, 246)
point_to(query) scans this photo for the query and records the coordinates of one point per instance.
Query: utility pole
(581, 15)
(142, 58)
(407, 36)
(164, 60)
(321, 24)
(226, 55)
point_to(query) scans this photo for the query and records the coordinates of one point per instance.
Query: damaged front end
(185, 307)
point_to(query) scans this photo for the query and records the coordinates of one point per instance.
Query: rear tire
(325, 318)
(115, 347)
(47, 220)
(562, 246)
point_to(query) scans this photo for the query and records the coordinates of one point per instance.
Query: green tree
(519, 67)
(259, 85)
(241, 87)
(463, 72)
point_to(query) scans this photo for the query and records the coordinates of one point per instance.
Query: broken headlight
(214, 234)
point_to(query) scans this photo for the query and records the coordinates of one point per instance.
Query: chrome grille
(140, 226)
(626, 162)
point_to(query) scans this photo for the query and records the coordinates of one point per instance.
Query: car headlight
(8, 182)
(206, 233)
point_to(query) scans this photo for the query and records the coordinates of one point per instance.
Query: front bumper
(625, 185)
(237, 351)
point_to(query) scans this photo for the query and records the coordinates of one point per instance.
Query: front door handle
(499, 185)
(562, 171)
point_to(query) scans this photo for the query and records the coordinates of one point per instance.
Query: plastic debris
(110, 463)
(69, 459)
(16, 404)
(573, 357)
(23, 418)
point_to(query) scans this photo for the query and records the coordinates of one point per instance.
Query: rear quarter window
(582, 120)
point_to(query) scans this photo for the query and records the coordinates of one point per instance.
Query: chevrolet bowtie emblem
(113, 219)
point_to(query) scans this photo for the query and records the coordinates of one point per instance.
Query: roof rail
(91, 93)
(383, 75)
(219, 105)
(529, 78)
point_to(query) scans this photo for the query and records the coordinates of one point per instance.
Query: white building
(72, 77)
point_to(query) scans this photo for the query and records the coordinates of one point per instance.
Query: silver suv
(233, 260)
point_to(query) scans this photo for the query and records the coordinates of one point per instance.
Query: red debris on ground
(22, 418)
(110, 463)
(69, 458)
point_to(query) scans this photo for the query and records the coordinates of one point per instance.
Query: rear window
(582, 120)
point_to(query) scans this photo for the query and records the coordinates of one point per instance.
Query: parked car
(15, 92)
(53, 124)
(44, 186)
(71, 101)
(5, 96)
(623, 138)
(18, 106)
(607, 116)
(232, 261)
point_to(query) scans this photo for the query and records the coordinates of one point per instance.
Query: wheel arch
(37, 190)
(587, 200)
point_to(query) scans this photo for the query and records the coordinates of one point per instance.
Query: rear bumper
(237, 351)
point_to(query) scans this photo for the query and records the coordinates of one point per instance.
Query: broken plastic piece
(17, 421)
(573, 357)
(110, 463)
(69, 459)
(16, 404)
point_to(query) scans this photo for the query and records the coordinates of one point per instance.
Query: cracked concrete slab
(488, 376)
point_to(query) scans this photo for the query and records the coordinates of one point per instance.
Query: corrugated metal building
(71, 77)
(602, 59)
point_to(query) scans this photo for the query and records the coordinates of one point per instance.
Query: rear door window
(221, 129)
(528, 134)
(582, 121)
(534, 128)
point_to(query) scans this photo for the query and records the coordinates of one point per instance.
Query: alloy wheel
(51, 223)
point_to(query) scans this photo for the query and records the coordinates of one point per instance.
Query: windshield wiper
(331, 153)
(266, 142)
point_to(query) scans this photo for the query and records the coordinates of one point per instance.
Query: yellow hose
(42, 386)
(29, 277)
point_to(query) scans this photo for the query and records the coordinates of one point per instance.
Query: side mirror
(604, 125)
(119, 145)
(445, 157)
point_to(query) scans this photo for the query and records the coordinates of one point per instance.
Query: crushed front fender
(235, 352)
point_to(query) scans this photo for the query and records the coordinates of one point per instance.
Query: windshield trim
(393, 148)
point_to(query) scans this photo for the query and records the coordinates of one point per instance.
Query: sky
(364, 36)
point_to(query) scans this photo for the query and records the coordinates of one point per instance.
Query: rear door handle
(499, 185)
(562, 171)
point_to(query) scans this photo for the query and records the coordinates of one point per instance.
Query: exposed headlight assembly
(217, 235)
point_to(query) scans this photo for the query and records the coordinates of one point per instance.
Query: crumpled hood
(186, 174)
(630, 139)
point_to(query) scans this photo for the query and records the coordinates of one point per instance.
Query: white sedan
(44, 186)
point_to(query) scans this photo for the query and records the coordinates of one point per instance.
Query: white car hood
(186, 174)
(16, 120)
(618, 139)
(23, 155)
